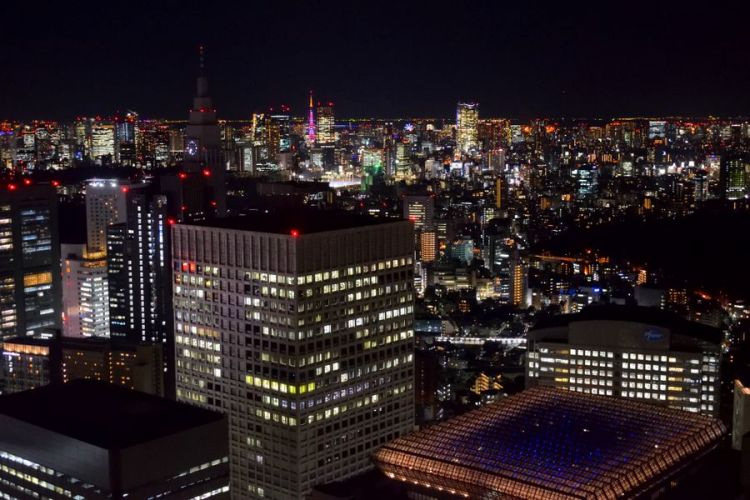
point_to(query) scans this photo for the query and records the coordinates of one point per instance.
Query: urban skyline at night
(354, 251)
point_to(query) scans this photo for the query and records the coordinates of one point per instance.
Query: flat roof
(635, 314)
(102, 414)
(552, 443)
(304, 221)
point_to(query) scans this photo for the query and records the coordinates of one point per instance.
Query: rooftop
(301, 221)
(552, 443)
(102, 414)
(647, 315)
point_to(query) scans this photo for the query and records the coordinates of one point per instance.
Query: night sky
(383, 59)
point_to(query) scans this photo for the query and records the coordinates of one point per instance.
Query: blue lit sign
(653, 335)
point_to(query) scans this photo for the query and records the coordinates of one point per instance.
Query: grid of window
(547, 443)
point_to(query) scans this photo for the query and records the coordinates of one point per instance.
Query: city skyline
(417, 60)
(239, 302)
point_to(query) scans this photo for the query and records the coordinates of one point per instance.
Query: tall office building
(467, 135)
(105, 205)
(631, 352)
(125, 153)
(203, 150)
(420, 209)
(103, 141)
(310, 130)
(326, 135)
(93, 440)
(734, 175)
(299, 325)
(518, 280)
(85, 294)
(29, 260)
(139, 269)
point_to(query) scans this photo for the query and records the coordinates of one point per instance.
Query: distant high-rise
(734, 175)
(299, 325)
(420, 210)
(29, 260)
(326, 135)
(105, 205)
(467, 118)
(203, 148)
(125, 153)
(103, 141)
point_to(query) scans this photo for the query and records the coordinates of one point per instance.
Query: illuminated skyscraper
(734, 176)
(203, 148)
(420, 210)
(125, 139)
(139, 269)
(105, 205)
(467, 118)
(103, 141)
(326, 135)
(85, 294)
(29, 260)
(299, 326)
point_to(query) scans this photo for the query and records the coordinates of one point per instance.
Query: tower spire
(311, 122)
(202, 80)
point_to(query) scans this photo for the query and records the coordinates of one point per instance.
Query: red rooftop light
(12, 187)
(171, 221)
(125, 189)
(55, 183)
(294, 233)
(206, 172)
(27, 182)
(182, 175)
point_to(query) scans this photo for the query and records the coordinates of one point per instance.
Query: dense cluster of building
(327, 285)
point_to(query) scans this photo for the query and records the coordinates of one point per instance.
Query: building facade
(631, 352)
(29, 260)
(105, 205)
(85, 293)
(139, 269)
(300, 327)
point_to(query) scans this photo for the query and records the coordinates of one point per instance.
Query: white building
(632, 352)
(85, 294)
(299, 326)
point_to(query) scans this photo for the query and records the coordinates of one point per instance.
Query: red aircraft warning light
(294, 233)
